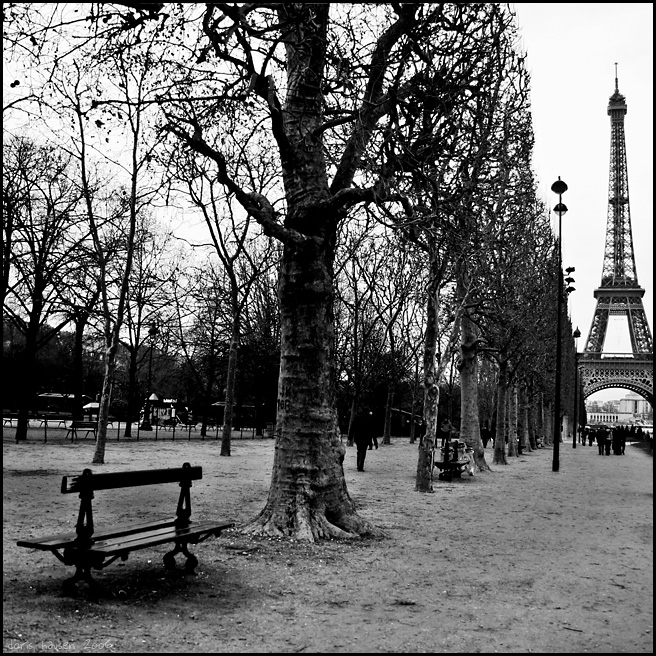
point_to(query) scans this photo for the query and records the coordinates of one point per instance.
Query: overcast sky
(571, 52)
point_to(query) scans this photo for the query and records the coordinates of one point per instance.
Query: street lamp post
(145, 424)
(558, 187)
(576, 334)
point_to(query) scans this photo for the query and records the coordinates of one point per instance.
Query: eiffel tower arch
(619, 292)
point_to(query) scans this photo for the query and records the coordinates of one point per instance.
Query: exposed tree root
(308, 525)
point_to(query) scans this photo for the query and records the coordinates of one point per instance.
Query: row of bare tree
(375, 158)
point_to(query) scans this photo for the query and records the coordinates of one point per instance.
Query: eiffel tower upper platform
(619, 292)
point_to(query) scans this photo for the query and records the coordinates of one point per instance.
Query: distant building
(632, 409)
(634, 403)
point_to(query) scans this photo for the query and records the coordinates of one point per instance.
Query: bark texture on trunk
(547, 424)
(424, 479)
(512, 422)
(230, 385)
(387, 430)
(502, 404)
(308, 499)
(26, 377)
(470, 429)
(524, 442)
(105, 399)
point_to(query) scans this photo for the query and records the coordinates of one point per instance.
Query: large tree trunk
(207, 399)
(502, 404)
(78, 366)
(547, 424)
(387, 429)
(133, 393)
(470, 429)
(308, 498)
(230, 384)
(424, 479)
(524, 441)
(512, 422)
(26, 399)
(26, 377)
(533, 430)
(105, 399)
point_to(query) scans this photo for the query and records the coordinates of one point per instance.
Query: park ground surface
(521, 559)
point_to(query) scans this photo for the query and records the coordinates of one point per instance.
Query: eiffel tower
(619, 292)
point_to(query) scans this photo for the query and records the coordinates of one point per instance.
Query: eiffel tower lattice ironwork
(619, 292)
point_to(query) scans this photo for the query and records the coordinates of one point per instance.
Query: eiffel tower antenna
(619, 292)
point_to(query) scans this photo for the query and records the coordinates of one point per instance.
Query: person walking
(362, 437)
(485, 436)
(374, 439)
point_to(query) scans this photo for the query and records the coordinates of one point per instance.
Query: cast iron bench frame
(86, 548)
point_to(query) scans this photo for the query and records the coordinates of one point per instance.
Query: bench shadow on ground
(145, 582)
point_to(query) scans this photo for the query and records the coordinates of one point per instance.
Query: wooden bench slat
(123, 535)
(110, 481)
(152, 538)
(61, 540)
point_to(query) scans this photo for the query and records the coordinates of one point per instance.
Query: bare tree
(231, 235)
(45, 248)
(200, 329)
(326, 84)
(149, 297)
(363, 272)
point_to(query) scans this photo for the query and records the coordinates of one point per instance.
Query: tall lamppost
(576, 334)
(558, 187)
(145, 424)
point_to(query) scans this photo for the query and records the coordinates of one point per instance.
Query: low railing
(638, 357)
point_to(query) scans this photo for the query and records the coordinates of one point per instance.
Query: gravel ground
(518, 560)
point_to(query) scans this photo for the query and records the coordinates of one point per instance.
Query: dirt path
(519, 560)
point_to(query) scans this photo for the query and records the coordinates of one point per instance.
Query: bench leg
(82, 573)
(192, 561)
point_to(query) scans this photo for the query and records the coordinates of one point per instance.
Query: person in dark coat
(617, 441)
(362, 436)
(604, 440)
(445, 431)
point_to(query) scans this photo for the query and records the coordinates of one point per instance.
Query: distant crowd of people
(607, 439)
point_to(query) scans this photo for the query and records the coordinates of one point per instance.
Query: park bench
(49, 420)
(455, 458)
(8, 419)
(88, 548)
(78, 425)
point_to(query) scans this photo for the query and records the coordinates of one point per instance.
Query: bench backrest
(89, 481)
